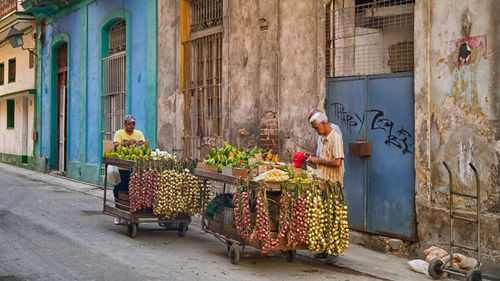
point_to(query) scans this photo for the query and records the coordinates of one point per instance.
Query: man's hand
(314, 160)
(140, 142)
(132, 141)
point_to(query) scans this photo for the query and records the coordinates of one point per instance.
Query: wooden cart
(120, 207)
(224, 229)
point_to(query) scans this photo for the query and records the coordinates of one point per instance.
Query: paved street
(49, 232)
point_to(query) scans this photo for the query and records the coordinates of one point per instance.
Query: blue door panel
(391, 174)
(379, 189)
(346, 98)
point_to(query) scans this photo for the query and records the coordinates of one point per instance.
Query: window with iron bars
(113, 84)
(202, 89)
(366, 37)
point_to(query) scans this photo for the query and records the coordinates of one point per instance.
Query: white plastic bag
(113, 175)
(419, 266)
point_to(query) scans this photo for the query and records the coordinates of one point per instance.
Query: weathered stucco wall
(302, 72)
(241, 83)
(275, 72)
(170, 107)
(272, 73)
(456, 120)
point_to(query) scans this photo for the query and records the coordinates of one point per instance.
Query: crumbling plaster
(456, 119)
(170, 101)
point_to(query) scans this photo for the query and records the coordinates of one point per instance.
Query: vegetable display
(312, 217)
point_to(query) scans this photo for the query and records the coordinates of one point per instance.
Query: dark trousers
(123, 185)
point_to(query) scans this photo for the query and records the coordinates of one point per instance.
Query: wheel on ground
(132, 230)
(182, 229)
(234, 254)
(474, 275)
(435, 269)
(291, 255)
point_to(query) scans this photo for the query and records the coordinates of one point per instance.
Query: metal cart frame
(235, 243)
(133, 218)
(437, 268)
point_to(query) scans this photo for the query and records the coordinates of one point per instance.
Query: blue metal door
(380, 188)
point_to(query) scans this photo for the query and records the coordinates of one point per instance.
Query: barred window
(202, 89)
(113, 71)
(369, 37)
(205, 14)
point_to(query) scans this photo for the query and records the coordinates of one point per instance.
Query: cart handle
(478, 210)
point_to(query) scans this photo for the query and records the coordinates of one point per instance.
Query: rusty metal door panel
(391, 178)
(379, 188)
(347, 96)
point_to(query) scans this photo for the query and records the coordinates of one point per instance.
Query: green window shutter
(10, 113)
(2, 73)
(12, 70)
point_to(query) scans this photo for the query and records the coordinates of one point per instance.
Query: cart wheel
(132, 230)
(291, 255)
(435, 269)
(182, 229)
(474, 275)
(234, 254)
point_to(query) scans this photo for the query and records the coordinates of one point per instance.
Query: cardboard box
(240, 173)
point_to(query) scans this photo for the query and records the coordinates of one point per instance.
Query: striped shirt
(332, 148)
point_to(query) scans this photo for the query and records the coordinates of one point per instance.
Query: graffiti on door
(401, 139)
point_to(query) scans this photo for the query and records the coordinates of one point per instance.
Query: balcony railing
(7, 7)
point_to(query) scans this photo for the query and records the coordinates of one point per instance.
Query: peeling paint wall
(273, 73)
(170, 101)
(457, 120)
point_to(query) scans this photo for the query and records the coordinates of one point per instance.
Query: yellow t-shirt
(122, 136)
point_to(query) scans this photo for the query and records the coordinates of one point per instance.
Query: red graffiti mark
(464, 50)
(472, 43)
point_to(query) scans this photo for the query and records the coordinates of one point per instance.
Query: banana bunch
(270, 157)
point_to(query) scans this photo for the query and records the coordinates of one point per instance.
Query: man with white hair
(330, 160)
(333, 126)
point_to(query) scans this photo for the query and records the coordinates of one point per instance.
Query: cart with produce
(162, 190)
(273, 211)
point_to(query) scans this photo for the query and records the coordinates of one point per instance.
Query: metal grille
(113, 96)
(203, 95)
(369, 38)
(7, 7)
(117, 37)
(205, 14)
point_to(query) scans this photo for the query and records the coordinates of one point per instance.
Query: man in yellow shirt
(126, 137)
(129, 135)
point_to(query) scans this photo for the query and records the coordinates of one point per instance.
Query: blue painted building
(96, 63)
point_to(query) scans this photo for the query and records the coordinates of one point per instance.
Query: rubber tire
(291, 255)
(132, 230)
(182, 229)
(474, 275)
(234, 254)
(435, 269)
